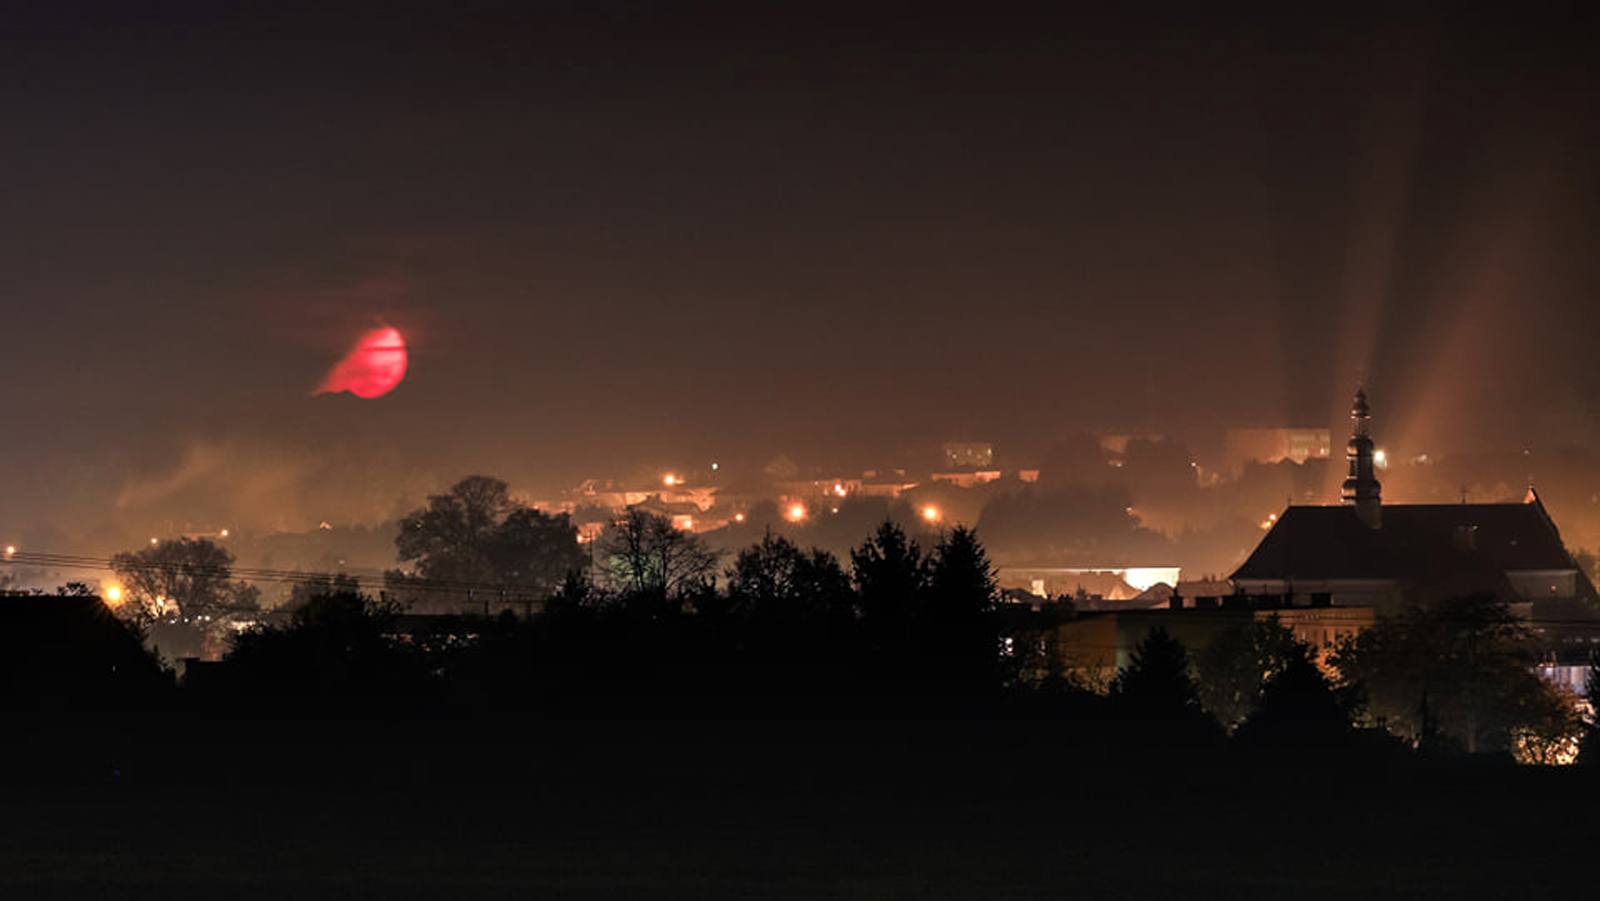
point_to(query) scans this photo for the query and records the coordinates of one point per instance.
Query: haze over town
(524, 449)
(629, 243)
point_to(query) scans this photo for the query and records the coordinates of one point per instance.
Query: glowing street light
(10, 549)
(669, 480)
(114, 595)
(738, 517)
(795, 513)
(153, 541)
(930, 513)
(1380, 458)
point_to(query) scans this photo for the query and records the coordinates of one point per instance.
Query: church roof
(1415, 540)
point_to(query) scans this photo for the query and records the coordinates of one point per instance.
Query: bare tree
(643, 553)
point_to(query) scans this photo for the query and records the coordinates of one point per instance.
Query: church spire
(1361, 489)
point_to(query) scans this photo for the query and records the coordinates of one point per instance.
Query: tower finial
(1361, 489)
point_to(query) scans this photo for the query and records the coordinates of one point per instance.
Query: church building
(1366, 553)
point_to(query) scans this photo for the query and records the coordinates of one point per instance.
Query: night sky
(617, 235)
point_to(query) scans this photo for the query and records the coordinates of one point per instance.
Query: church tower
(1361, 488)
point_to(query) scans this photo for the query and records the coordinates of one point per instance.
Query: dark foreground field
(345, 812)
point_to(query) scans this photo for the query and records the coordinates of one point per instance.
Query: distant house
(683, 514)
(1387, 556)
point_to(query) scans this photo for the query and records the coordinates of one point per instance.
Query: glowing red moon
(372, 368)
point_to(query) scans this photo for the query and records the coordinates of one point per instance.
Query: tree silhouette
(1074, 523)
(1237, 665)
(1589, 750)
(336, 642)
(891, 574)
(475, 540)
(188, 578)
(958, 613)
(961, 580)
(645, 556)
(312, 587)
(534, 551)
(1298, 707)
(776, 580)
(1156, 697)
(1470, 658)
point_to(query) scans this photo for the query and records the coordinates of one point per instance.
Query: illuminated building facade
(967, 454)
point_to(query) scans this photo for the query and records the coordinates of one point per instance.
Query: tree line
(652, 610)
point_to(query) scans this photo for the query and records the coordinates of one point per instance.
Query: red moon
(372, 368)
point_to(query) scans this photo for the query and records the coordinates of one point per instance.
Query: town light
(738, 517)
(1380, 458)
(223, 533)
(669, 480)
(930, 513)
(114, 595)
(10, 549)
(796, 512)
(153, 540)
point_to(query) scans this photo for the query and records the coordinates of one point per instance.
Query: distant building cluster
(1328, 572)
(1244, 446)
(710, 499)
